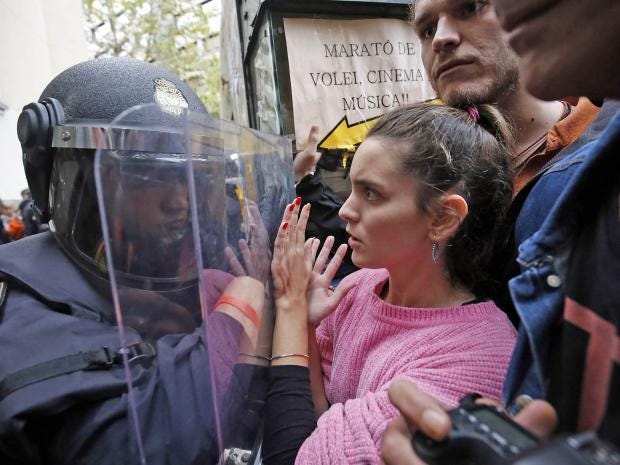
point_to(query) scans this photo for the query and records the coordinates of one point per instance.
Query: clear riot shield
(189, 207)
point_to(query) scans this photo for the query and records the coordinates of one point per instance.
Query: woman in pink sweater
(430, 187)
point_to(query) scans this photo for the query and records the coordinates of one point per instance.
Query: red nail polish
(291, 207)
(298, 201)
(284, 226)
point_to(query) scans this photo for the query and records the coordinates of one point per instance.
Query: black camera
(578, 449)
(485, 435)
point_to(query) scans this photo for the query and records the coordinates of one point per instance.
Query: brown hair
(446, 150)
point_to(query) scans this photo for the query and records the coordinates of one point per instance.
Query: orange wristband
(242, 306)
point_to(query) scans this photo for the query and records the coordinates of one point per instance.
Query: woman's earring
(435, 252)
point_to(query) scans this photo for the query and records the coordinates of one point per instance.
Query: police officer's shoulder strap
(101, 359)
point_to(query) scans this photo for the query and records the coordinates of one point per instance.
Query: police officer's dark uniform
(63, 393)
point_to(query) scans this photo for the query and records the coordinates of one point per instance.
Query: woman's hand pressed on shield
(257, 256)
(291, 269)
(291, 266)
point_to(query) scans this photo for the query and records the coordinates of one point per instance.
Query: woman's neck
(425, 287)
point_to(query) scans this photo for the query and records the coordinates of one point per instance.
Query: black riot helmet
(60, 133)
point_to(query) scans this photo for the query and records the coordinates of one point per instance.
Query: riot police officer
(143, 370)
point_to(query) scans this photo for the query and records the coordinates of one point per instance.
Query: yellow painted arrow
(347, 136)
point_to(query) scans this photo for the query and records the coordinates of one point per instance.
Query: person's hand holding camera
(420, 411)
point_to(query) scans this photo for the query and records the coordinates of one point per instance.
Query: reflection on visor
(142, 169)
(149, 210)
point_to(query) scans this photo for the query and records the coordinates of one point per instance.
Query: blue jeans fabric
(545, 193)
(537, 291)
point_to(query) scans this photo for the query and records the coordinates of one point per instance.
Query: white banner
(345, 73)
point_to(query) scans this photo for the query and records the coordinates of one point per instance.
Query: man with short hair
(468, 61)
(571, 265)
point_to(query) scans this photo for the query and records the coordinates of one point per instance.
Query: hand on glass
(314, 274)
(256, 257)
(291, 266)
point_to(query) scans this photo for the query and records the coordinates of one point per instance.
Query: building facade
(38, 39)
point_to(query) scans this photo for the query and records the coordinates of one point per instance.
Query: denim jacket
(537, 291)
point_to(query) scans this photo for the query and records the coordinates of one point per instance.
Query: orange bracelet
(242, 306)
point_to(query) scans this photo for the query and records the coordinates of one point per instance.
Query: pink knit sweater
(365, 344)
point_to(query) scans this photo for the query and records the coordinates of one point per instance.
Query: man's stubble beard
(506, 82)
